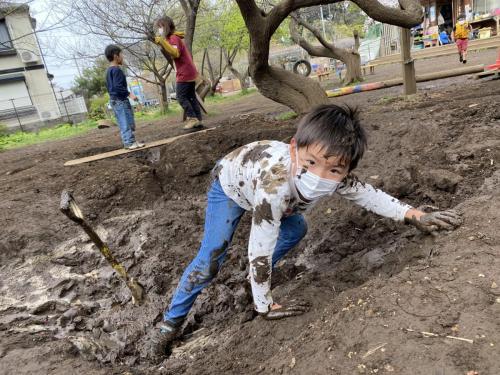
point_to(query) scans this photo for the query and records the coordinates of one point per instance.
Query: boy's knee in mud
(203, 273)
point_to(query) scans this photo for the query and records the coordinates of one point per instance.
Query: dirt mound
(386, 299)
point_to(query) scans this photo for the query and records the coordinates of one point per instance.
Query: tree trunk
(240, 77)
(355, 34)
(350, 58)
(297, 92)
(190, 9)
(203, 61)
(352, 63)
(190, 26)
(163, 97)
(211, 73)
(293, 90)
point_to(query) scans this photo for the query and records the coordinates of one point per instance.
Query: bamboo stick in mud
(69, 207)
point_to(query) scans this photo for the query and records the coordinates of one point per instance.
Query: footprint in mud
(423, 301)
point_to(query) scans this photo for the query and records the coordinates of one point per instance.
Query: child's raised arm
(171, 50)
(383, 204)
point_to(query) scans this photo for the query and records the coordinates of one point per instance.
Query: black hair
(167, 23)
(337, 129)
(111, 51)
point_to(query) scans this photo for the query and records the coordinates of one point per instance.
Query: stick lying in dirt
(430, 334)
(71, 210)
(373, 350)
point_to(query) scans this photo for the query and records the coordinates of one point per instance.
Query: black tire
(302, 67)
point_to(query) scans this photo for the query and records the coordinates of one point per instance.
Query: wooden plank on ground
(123, 151)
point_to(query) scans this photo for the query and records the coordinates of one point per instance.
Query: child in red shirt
(186, 73)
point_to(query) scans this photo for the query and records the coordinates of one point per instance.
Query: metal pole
(17, 115)
(65, 108)
(322, 20)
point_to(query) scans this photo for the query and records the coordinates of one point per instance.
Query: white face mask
(160, 31)
(311, 186)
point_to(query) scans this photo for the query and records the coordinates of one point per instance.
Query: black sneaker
(460, 57)
(465, 61)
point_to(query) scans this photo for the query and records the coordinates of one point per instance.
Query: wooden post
(409, 80)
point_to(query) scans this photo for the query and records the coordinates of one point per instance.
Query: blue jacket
(116, 83)
(445, 39)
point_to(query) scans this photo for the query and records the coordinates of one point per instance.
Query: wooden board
(123, 151)
(202, 104)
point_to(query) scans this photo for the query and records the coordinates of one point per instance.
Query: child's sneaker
(135, 146)
(191, 123)
(465, 61)
(161, 338)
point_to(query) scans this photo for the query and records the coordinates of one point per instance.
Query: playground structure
(292, 59)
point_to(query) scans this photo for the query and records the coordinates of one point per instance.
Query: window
(5, 41)
(14, 93)
(485, 6)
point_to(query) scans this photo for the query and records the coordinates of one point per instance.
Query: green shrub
(3, 130)
(98, 107)
(59, 131)
(286, 116)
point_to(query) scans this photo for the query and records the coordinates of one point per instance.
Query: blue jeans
(221, 219)
(125, 118)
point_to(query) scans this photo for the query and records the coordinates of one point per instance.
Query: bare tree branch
(324, 50)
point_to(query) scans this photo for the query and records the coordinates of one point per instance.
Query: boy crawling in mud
(277, 182)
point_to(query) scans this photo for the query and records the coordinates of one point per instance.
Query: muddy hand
(292, 308)
(439, 220)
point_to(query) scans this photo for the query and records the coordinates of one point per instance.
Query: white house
(27, 98)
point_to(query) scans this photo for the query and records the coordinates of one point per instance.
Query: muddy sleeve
(264, 234)
(374, 200)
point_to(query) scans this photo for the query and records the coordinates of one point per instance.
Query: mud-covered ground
(374, 285)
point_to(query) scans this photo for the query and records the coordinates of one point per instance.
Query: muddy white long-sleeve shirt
(258, 178)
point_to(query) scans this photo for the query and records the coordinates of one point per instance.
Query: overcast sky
(64, 71)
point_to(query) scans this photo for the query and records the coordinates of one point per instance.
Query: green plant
(60, 131)
(157, 113)
(355, 83)
(3, 130)
(92, 81)
(286, 116)
(388, 99)
(98, 107)
(218, 98)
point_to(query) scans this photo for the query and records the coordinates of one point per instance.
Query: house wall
(44, 106)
